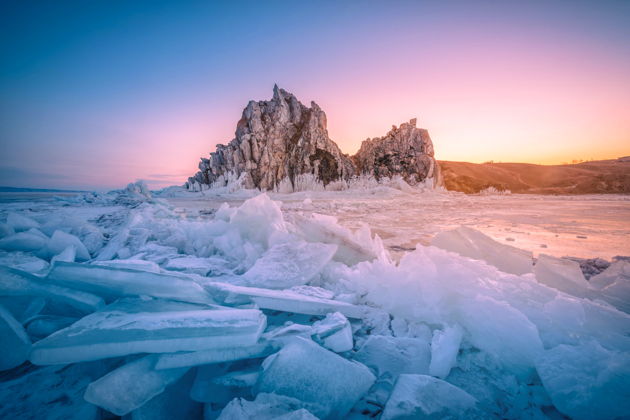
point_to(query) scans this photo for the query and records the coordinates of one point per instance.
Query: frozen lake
(579, 226)
(249, 305)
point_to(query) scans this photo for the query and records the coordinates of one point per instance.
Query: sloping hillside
(596, 177)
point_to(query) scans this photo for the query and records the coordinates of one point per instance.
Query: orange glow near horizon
(124, 99)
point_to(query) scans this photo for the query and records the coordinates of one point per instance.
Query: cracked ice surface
(313, 305)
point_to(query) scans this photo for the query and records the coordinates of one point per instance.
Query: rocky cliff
(283, 145)
(406, 151)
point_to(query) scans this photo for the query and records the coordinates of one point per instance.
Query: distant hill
(42, 190)
(595, 177)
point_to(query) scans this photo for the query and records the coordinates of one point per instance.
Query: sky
(96, 94)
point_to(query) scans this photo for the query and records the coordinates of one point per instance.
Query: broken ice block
(471, 243)
(391, 356)
(23, 308)
(284, 300)
(425, 397)
(109, 251)
(23, 261)
(266, 407)
(241, 378)
(308, 372)
(214, 384)
(503, 331)
(172, 360)
(67, 255)
(614, 285)
(258, 218)
(140, 265)
(201, 266)
(288, 264)
(14, 343)
(205, 391)
(561, 274)
(51, 392)
(587, 381)
(44, 325)
(325, 229)
(20, 283)
(114, 332)
(61, 240)
(444, 348)
(116, 282)
(6, 230)
(334, 332)
(172, 404)
(20, 223)
(23, 241)
(130, 386)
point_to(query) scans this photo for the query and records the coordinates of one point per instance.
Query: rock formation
(277, 141)
(406, 151)
(283, 145)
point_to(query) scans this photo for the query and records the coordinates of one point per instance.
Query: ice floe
(254, 310)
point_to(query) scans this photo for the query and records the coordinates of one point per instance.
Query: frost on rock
(310, 373)
(424, 397)
(474, 244)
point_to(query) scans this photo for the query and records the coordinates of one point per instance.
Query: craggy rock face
(406, 151)
(281, 141)
(277, 140)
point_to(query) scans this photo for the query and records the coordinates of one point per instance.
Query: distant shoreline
(36, 190)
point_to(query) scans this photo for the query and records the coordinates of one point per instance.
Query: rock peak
(284, 145)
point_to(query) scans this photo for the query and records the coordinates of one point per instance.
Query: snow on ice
(262, 309)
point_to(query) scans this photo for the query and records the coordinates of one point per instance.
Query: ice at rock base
(255, 313)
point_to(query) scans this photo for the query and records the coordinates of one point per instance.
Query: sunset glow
(98, 95)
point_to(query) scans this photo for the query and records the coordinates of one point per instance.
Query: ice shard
(284, 300)
(14, 343)
(131, 386)
(228, 354)
(308, 372)
(288, 264)
(116, 282)
(425, 397)
(20, 283)
(114, 332)
(471, 243)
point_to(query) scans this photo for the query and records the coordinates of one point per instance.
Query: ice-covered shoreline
(257, 309)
